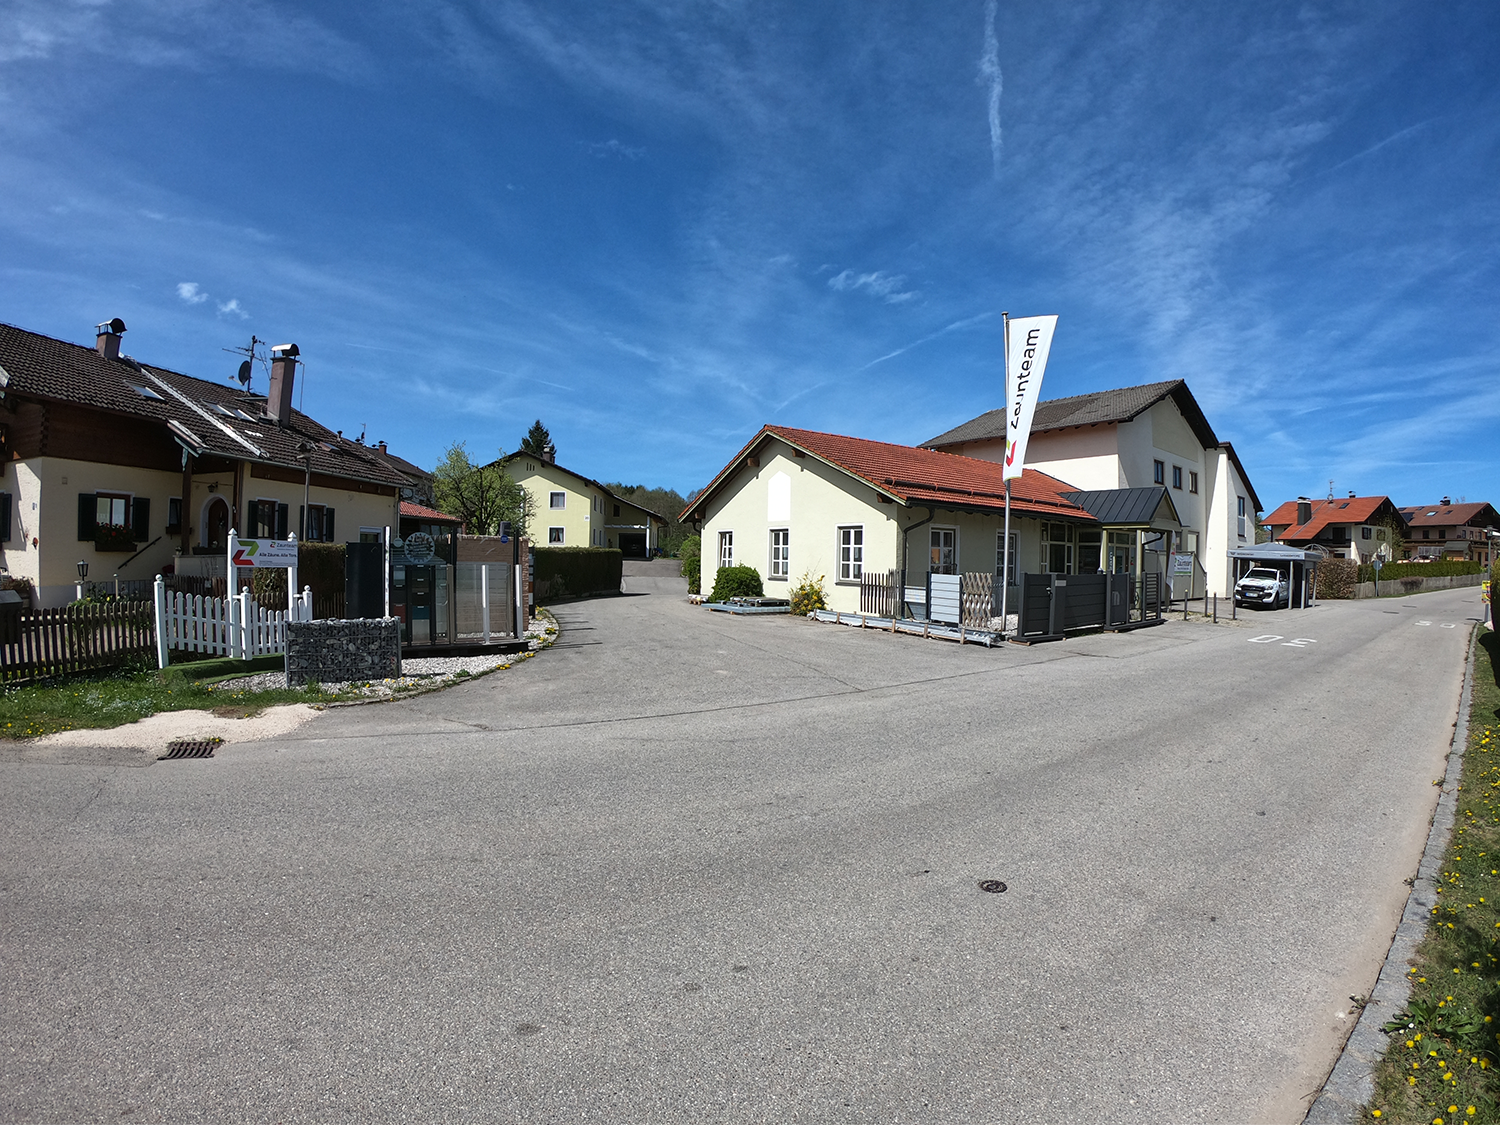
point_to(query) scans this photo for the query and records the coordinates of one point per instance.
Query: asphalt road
(690, 868)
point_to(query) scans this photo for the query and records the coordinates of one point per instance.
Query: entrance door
(944, 551)
(216, 525)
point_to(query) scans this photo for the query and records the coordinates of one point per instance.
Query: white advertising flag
(1030, 341)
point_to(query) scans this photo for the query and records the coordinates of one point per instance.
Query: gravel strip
(416, 671)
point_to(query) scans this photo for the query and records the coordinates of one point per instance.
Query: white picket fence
(237, 627)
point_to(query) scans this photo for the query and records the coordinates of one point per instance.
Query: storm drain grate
(992, 886)
(190, 748)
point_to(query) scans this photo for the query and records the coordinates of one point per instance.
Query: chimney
(549, 453)
(382, 449)
(283, 375)
(1304, 510)
(1446, 501)
(1351, 494)
(107, 338)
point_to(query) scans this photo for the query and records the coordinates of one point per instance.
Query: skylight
(1432, 513)
(146, 392)
(224, 410)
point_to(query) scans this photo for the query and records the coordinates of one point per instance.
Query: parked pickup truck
(1263, 586)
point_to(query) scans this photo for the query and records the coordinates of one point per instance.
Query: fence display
(236, 627)
(76, 638)
(485, 602)
(880, 593)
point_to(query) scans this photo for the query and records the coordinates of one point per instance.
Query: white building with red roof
(1362, 528)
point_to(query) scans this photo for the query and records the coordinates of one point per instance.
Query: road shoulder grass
(1443, 1059)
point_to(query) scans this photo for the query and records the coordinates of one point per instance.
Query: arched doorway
(216, 524)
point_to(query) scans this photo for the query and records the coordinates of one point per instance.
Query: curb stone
(1351, 1084)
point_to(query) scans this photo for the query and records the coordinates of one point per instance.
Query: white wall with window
(555, 536)
(942, 553)
(726, 548)
(851, 554)
(781, 542)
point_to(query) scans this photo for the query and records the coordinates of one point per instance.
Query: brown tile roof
(1449, 515)
(913, 475)
(1119, 405)
(193, 410)
(412, 511)
(1352, 509)
(604, 488)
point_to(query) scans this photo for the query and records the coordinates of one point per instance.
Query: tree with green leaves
(538, 442)
(480, 495)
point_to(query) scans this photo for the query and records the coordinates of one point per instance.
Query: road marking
(1300, 642)
(1424, 622)
(1446, 625)
(1265, 640)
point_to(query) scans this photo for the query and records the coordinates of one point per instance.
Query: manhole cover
(992, 886)
(190, 748)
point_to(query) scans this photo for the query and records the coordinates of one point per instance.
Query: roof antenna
(250, 353)
(1330, 491)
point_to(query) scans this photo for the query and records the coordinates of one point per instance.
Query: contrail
(989, 72)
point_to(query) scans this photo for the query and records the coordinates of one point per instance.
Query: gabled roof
(910, 475)
(1119, 507)
(412, 511)
(1352, 509)
(1450, 515)
(204, 417)
(590, 481)
(1120, 405)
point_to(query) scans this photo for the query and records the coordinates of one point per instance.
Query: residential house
(795, 502)
(572, 510)
(128, 467)
(1362, 528)
(419, 487)
(1446, 530)
(1149, 436)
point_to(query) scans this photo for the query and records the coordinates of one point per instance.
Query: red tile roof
(913, 475)
(1351, 509)
(1447, 515)
(413, 511)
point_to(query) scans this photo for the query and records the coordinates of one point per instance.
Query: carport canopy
(1298, 563)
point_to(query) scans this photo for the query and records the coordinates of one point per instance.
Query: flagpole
(1005, 544)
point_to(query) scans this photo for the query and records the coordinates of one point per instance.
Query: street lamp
(83, 572)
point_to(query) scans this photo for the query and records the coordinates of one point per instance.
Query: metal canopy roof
(1276, 552)
(1122, 507)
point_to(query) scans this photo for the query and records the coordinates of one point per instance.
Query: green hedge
(1336, 578)
(572, 571)
(1390, 572)
(736, 582)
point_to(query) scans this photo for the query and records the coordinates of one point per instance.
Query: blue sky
(659, 225)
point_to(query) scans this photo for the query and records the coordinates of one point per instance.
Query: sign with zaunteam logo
(1029, 341)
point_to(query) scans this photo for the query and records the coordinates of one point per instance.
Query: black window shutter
(328, 525)
(4, 517)
(88, 510)
(282, 511)
(301, 523)
(140, 519)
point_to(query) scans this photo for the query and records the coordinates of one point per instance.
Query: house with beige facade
(795, 502)
(1154, 435)
(572, 510)
(134, 469)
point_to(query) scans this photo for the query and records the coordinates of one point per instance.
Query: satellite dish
(244, 375)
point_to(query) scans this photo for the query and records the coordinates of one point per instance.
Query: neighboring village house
(125, 466)
(572, 510)
(1361, 528)
(1450, 531)
(419, 487)
(798, 501)
(1137, 437)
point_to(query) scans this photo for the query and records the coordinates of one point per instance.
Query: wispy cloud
(188, 291)
(889, 287)
(613, 148)
(991, 78)
(231, 307)
(967, 322)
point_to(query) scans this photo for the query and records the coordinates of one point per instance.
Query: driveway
(685, 867)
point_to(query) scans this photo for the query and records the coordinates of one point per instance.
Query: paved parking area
(688, 867)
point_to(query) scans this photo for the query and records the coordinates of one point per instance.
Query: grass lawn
(1443, 1063)
(113, 699)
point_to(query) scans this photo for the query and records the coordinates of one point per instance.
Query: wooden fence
(76, 638)
(880, 593)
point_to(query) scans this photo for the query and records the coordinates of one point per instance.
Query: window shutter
(4, 517)
(328, 525)
(140, 519)
(301, 522)
(88, 508)
(281, 515)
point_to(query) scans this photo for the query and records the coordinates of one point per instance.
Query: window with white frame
(943, 552)
(1241, 515)
(1057, 548)
(110, 508)
(1002, 562)
(781, 541)
(726, 548)
(557, 500)
(851, 554)
(1192, 482)
(555, 536)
